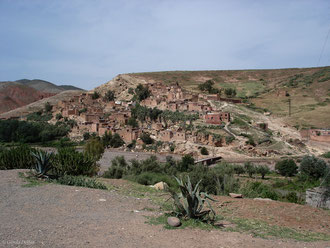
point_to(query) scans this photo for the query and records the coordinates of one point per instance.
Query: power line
(325, 42)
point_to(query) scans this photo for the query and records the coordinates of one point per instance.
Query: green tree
(286, 167)
(48, 108)
(132, 122)
(263, 170)
(94, 147)
(250, 169)
(313, 167)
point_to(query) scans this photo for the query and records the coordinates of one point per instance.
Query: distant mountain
(15, 94)
(45, 86)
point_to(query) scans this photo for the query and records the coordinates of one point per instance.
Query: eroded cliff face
(120, 85)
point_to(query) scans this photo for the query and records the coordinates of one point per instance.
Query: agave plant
(190, 202)
(43, 162)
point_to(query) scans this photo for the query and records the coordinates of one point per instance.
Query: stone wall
(318, 197)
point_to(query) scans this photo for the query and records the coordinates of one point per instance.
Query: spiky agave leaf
(43, 162)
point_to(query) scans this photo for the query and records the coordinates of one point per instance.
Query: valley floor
(51, 215)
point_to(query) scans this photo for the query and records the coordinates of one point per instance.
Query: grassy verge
(30, 180)
(263, 230)
(255, 228)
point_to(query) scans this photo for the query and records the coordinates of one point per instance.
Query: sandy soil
(61, 216)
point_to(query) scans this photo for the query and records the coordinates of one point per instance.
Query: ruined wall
(318, 197)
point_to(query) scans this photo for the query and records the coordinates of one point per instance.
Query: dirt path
(61, 216)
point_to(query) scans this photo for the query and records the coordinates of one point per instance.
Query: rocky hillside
(15, 94)
(307, 88)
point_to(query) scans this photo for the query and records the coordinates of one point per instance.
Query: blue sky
(86, 43)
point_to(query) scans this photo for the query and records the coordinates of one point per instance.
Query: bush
(48, 107)
(109, 96)
(326, 155)
(132, 122)
(95, 95)
(151, 178)
(116, 141)
(145, 137)
(312, 167)
(258, 189)
(204, 151)
(115, 172)
(80, 181)
(292, 197)
(229, 92)
(19, 157)
(287, 167)
(68, 161)
(239, 169)
(94, 148)
(187, 161)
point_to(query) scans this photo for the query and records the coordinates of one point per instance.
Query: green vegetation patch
(263, 230)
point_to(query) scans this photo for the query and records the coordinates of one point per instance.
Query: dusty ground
(61, 216)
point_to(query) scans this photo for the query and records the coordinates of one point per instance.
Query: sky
(88, 42)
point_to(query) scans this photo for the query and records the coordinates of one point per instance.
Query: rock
(233, 195)
(173, 221)
(161, 186)
(262, 199)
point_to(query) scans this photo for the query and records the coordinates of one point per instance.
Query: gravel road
(61, 216)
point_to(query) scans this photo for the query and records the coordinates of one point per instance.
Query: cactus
(190, 202)
(43, 162)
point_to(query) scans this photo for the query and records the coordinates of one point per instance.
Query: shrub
(80, 181)
(258, 189)
(263, 170)
(250, 169)
(86, 135)
(187, 161)
(115, 172)
(151, 178)
(58, 116)
(68, 161)
(229, 92)
(142, 92)
(94, 148)
(48, 107)
(287, 167)
(95, 95)
(116, 141)
(292, 197)
(19, 157)
(239, 169)
(145, 137)
(312, 167)
(132, 122)
(109, 96)
(204, 151)
(326, 155)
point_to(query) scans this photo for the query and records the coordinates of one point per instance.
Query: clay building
(217, 118)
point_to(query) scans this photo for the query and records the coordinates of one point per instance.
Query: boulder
(233, 195)
(161, 186)
(173, 221)
(262, 199)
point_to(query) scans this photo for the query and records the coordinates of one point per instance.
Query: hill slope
(309, 90)
(22, 92)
